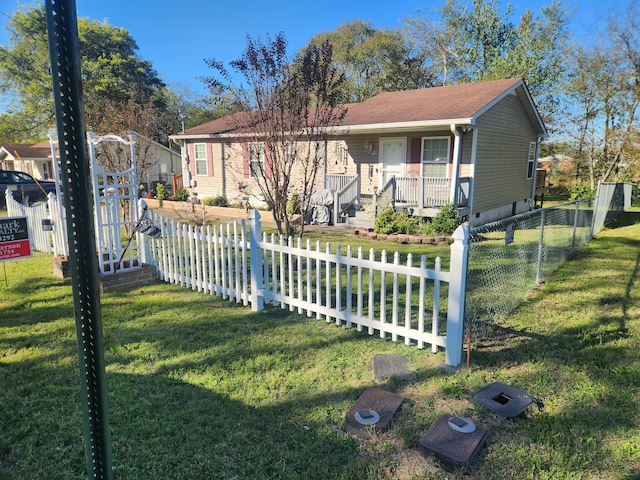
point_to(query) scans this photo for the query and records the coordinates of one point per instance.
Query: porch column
(457, 153)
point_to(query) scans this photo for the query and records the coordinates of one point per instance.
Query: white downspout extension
(457, 153)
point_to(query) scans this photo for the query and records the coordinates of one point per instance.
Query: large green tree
(602, 93)
(112, 73)
(374, 60)
(482, 42)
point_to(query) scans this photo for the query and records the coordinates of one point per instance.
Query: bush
(581, 192)
(182, 195)
(446, 220)
(427, 229)
(217, 201)
(294, 204)
(390, 222)
(161, 192)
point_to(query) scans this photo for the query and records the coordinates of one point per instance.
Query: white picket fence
(48, 241)
(238, 262)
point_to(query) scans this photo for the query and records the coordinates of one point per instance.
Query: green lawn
(199, 388)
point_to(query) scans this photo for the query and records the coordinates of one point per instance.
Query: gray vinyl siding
(504, 134)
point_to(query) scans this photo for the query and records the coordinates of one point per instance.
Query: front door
(393, 153)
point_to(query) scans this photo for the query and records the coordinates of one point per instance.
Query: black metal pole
(64, 50)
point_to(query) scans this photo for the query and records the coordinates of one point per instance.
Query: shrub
(217, 201)
(161, 192)
(389, 222)
(427, 229)
(581, 192)
(446, 220)
(182, 195)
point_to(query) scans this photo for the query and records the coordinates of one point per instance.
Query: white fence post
(143, 240)
(457, 295)
(255, 234)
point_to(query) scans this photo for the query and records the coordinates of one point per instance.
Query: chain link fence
(510, 257)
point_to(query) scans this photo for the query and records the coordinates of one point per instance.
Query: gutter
(344, 129)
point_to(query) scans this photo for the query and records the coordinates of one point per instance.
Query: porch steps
(358, 216)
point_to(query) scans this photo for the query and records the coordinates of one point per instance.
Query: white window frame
(531, 160)
(198, 161)
(423, 162)
(342, 154)
(256, 148)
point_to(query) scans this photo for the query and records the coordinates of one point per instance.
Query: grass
(199, 388)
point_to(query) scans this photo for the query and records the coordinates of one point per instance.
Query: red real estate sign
(14, 239)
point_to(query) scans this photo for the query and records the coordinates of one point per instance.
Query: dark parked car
(25, 189)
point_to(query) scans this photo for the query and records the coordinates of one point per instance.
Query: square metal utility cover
(385, 365)
(372, 403)
(445, 442)
(503, 399)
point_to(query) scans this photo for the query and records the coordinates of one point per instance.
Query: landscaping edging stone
(404, 238)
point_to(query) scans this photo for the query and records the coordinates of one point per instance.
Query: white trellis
(114, 196)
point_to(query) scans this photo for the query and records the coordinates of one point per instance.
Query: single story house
(474, 145)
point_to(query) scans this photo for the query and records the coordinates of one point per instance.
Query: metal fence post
(255, 270)
(457, 295)
(575, 227)
(543, 218)
(64, 51)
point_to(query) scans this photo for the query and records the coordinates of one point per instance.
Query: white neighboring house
(164, 164)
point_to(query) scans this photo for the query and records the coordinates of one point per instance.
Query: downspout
(457, 154)
(223, 170)
(535, 173)
(324, 166)
(472, 185)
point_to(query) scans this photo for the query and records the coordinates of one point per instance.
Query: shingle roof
(28, 150)
(427, 104)
(423, 105)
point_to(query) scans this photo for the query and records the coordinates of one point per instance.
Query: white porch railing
(337, 182)
(345, 197)
(379, 294)
(425, 192)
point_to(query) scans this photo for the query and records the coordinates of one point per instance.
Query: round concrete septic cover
(367, 417)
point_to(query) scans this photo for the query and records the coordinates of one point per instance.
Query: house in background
(473, 145)
(162, 165)
(34, 159)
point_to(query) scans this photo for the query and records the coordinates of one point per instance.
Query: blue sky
(177, 36)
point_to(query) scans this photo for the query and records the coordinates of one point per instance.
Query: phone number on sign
(9, 249)
(7, 238)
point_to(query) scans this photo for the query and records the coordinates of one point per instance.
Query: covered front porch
(418, 196)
